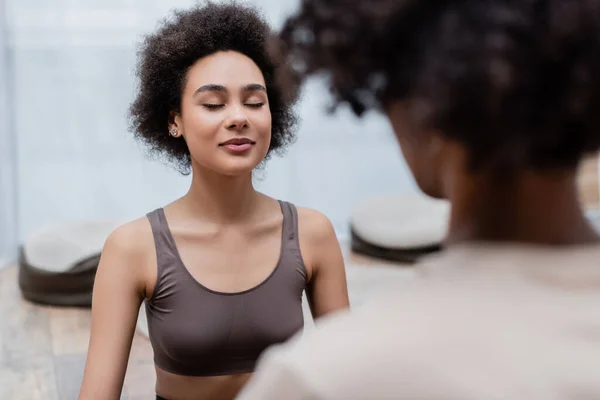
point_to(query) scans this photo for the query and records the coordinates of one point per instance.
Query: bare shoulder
(132, 239)
(129, 254)
(314, 226)
(318, 241)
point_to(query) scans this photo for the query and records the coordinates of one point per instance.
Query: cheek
(200, 129)
(261, 123)
(418, 158)
(416, 148)
(408, 146)
(202, 124)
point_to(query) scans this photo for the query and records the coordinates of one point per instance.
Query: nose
(237, 120)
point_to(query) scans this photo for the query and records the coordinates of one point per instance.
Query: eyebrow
(252, 87)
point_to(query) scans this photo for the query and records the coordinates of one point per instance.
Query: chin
(238, 168)
(434, 194)
(430, 190)
(230, 168)
(235, 173)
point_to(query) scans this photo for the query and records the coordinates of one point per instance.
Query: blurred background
(66, 74)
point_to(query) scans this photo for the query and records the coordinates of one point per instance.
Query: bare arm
(118, 294)
(327, 290)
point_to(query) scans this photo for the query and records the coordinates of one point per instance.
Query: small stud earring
(174, 133)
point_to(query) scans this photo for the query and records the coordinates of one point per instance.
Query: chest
(211, 333)
(228, 259)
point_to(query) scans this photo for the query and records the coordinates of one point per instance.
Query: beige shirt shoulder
(479, 322)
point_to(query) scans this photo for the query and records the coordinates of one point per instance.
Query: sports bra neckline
(179, 260)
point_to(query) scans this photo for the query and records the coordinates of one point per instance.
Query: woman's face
(225, 117)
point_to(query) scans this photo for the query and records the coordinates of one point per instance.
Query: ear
(175, 122)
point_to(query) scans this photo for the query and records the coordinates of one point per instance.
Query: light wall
(73, 80)
(7, 160)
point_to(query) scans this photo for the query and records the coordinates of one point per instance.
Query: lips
(237, 142)
(238, 146)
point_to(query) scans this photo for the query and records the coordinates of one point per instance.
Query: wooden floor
(42, 350)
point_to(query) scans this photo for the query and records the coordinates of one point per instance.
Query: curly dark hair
(517, 82)
(181, 40)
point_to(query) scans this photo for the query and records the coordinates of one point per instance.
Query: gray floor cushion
(399, 228)
(57, 265)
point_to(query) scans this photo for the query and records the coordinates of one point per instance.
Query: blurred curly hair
(517, 82)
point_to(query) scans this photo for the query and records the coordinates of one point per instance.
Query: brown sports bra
(196, 331)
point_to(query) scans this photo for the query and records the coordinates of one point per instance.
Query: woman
(494, 104)
(223, 268)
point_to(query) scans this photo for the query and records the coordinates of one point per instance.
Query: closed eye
(254, 105)
(213, 106)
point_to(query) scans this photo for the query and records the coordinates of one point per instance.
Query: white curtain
(7, 167)
(73, 82)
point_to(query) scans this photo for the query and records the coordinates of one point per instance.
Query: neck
(220, 198)
(536, 208)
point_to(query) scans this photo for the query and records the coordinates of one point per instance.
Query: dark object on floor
(57, 266)
(399, 228)
(404, 256)
(72, 287)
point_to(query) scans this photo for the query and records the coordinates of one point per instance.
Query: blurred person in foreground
(494, 104)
